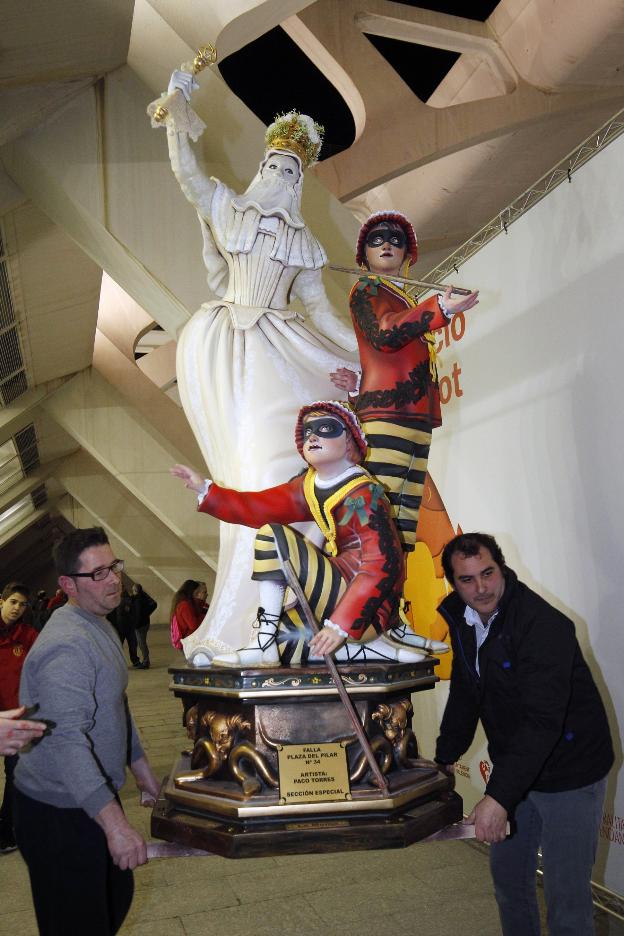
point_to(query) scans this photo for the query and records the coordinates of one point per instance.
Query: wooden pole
(295, 584)
(458, 290)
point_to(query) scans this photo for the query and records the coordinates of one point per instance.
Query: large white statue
(247, 361)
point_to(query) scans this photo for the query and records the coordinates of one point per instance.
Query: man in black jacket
(518, 667)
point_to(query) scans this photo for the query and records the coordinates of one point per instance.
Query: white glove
(182, 81)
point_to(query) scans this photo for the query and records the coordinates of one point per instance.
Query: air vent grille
(27, 449)
(39, 496)
(12, 374)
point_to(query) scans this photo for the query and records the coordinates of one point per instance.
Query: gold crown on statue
(296, 133)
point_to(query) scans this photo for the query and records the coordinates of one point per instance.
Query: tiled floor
(428, 890)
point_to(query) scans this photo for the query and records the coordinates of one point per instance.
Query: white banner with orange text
(532, 446)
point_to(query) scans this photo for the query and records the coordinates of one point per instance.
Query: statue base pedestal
(276, 767)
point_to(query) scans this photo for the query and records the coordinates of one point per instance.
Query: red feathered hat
(397, 218)
(342, 411)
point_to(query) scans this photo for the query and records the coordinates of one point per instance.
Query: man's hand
(183, 82)
(146, 781)
(490, 820)
(462, 304)
(127, 848)
(344, 379)
(16, 733)
(192, 479)
(326, 641)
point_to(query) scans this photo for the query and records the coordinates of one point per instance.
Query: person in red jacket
(16, 639)
(188, 610)
(57, 600)
(397, 398)
(353, 586)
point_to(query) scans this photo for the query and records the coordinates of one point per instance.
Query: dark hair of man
(14, 588)
(67, 552)
(470, 544)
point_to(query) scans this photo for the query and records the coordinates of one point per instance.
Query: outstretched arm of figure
(192, 479)
(308, 286)
(461, 303)
(196, 185)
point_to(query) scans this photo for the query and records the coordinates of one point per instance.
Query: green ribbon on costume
(355, 505)
(369, 282)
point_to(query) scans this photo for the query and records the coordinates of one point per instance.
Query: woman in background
(188, 609)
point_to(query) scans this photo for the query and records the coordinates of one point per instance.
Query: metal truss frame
(501, 223)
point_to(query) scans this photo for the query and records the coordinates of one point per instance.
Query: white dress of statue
(246, 362)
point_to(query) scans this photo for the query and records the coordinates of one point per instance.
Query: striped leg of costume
(321, 582)
(398, 453)
(323, 586)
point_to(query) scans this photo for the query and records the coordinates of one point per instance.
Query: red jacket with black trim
(394, 353)
(368, 552)
(15, 642)
(189, 616)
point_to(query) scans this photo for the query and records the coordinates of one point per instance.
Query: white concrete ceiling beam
(148, 543)
(55, 290)
(152, 405)
(159, 365)
(27, 485)
(423, 133)
(24, 523)
(79, 516)
(227, 24)
(139, 456)
(440, 31)
(70, 189)
(23, 410)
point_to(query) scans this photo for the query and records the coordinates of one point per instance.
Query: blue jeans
(566, 826)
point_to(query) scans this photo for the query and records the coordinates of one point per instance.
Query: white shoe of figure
(261, 650)
(201, 659)
(379, 650)
(405, 635)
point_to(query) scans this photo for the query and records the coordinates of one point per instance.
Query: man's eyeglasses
(98, 575)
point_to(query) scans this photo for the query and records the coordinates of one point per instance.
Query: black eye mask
(326, 427)
(386, 235)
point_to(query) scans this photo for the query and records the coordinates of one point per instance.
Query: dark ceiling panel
(470, 9)
(272, 75)
(421, 67)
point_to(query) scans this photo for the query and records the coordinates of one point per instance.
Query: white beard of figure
(237, 219)
(272, 196)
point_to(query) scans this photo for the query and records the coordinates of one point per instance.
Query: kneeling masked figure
(353, 585)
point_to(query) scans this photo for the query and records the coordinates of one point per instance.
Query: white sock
(272, 596)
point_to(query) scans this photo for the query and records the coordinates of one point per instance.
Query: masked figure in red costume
(397, 398)
(354, 585)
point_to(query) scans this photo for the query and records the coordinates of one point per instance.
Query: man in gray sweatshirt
(70, 828)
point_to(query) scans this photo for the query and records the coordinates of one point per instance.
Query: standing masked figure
(397, 396)
(246, 360)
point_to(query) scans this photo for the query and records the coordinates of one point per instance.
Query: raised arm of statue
(173, 111)
(308, 286)
(196, 185)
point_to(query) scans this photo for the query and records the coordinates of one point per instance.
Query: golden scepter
(205, 57)
(458, 290)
